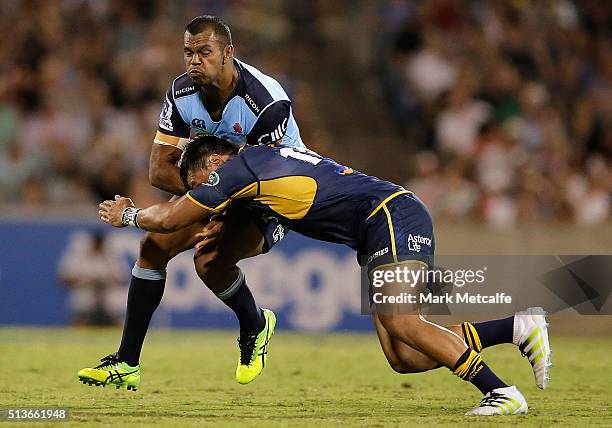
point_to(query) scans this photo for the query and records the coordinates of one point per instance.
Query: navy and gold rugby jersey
(309, 194)
(258, 112)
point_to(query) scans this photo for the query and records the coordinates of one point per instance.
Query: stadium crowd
(83, 84)
(509, 101)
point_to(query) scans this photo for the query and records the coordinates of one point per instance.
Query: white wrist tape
(129, 217)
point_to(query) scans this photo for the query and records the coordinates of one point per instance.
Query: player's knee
(389, 322)
(203, 261)
(394, 362)
(400, 365)
(159, 246)
(209, 264)
(154, 251)
(417, 363)
(400, 368)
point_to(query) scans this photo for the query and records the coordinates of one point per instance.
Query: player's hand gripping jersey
(258, 112)
(323, 200)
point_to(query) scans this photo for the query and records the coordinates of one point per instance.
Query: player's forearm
(165, 217)
(163, 170)
(161, 218)
(167, 179)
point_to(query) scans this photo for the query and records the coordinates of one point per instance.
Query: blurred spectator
(458, 124)
(93, 275)
(429, 70)
(427, 182)
(513, 98)
(83, 82)
(510, 101)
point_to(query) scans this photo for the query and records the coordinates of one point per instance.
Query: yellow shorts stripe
(383, 203)
(391, 233)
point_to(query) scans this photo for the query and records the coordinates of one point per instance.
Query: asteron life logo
(415, 241)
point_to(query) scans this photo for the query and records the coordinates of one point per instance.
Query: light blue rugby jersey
(258, 112)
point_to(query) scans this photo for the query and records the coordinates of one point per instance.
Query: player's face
(205, 57)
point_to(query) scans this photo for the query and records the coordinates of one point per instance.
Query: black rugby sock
(471, 368)
(239, 299)
(481, 335)
(144, 297)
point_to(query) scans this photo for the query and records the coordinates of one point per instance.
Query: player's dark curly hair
(197, 152)
(214, 23)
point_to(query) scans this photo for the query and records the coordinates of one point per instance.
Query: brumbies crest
(213, 179)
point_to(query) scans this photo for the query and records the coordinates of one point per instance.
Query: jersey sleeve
(271, 124)
(233, 180)
(171, 128)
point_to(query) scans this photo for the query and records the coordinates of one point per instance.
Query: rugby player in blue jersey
(218, 95)
(323, 200)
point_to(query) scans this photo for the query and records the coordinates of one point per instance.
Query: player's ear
(215, 159)
(228, 53)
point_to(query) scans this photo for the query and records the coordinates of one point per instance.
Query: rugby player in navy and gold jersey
(323, 200)
(218, 95)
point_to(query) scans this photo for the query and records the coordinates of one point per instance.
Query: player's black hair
(203, 22)
(197, 151)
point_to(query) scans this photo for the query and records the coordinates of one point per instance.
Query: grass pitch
(334, 380)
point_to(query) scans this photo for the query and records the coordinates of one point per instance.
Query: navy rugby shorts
(272, 231)
(398, 231)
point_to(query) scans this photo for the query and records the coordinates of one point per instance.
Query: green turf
(335, 380)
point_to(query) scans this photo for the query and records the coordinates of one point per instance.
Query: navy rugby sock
(144, 296)
(239, 299)
(480, 335)
(471, 368)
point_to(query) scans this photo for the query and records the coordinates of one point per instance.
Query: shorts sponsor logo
(378, 254)
(198, 123)
(237, 128)
(279, 233)
(416, 241)
(165, 117)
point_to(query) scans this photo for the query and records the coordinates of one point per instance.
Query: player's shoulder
(258, 89)
(235, 171)
(265, 150)
(182, 86)
(255, 155)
